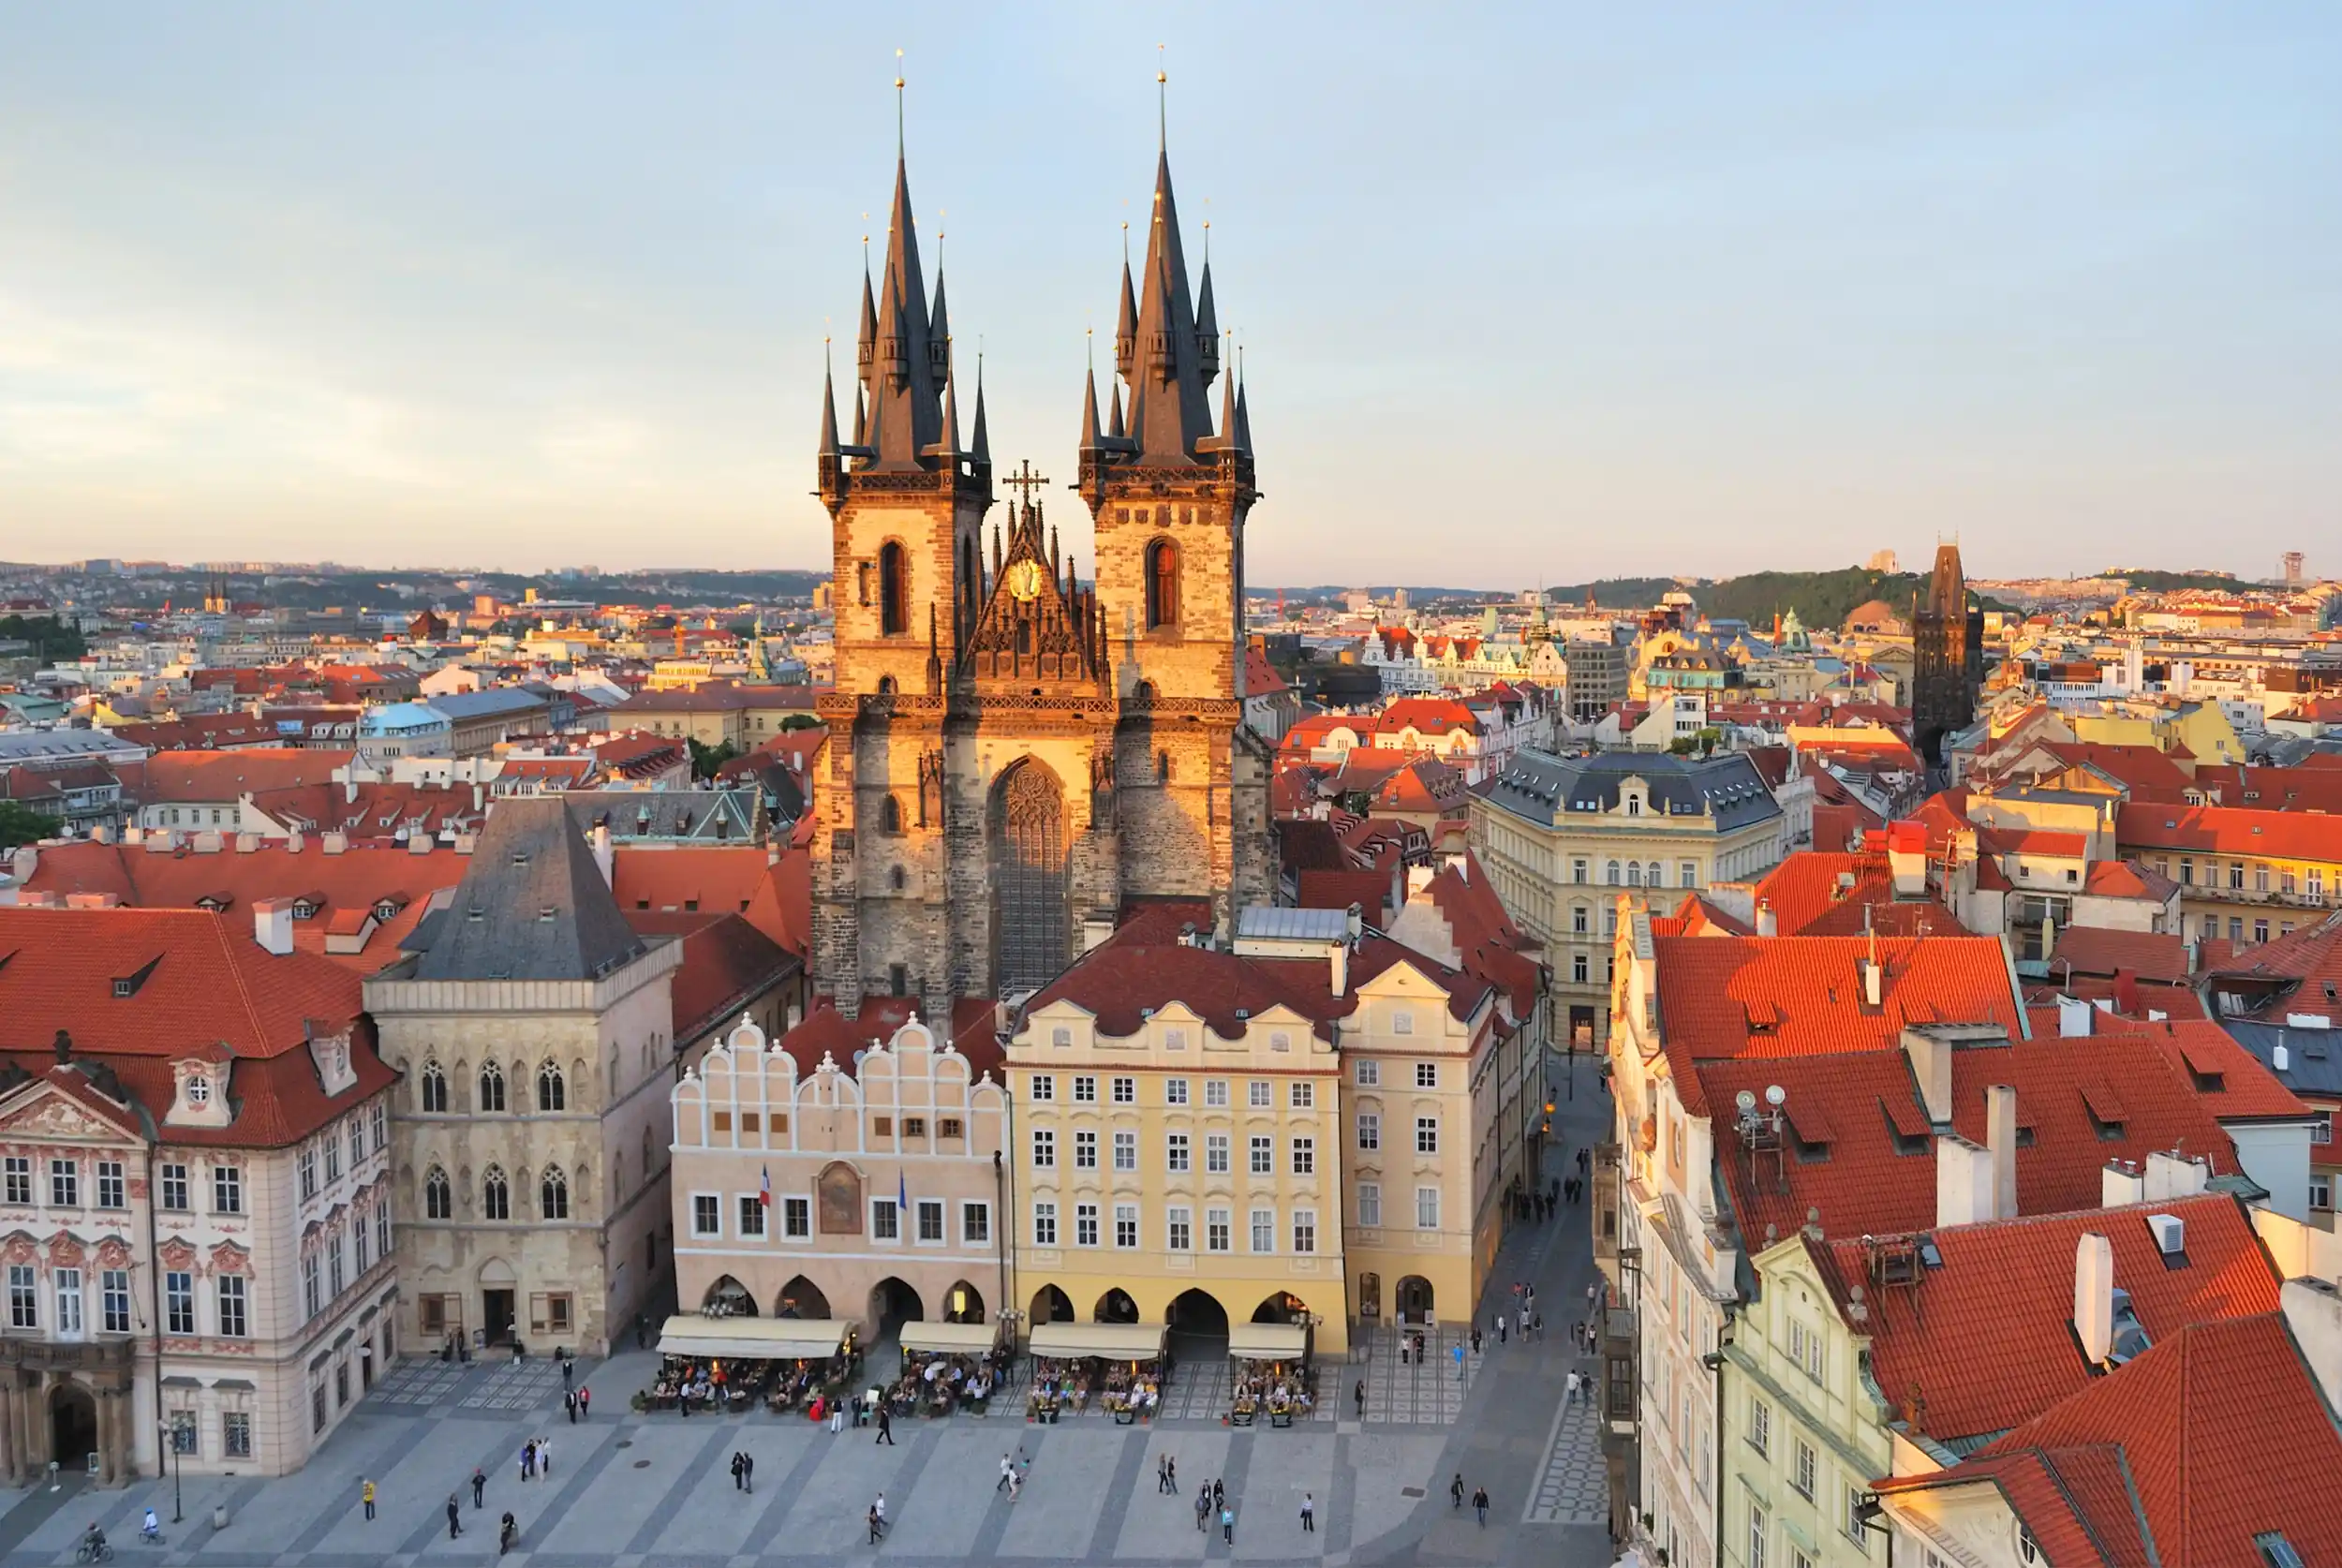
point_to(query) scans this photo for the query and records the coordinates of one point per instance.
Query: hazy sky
(1545, 292)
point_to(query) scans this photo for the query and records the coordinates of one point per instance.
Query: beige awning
(966, 1338)
(1109, 1342)
(755, 1339)
(1268, 1341)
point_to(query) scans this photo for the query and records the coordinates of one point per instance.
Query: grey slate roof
(457, 706)
(2313, 1058)
(532, 904)
(726, 816)
(1546, 788)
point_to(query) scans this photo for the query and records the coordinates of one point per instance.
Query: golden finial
(898, 103)
(1162, 111)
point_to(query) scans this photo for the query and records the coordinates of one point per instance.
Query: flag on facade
(902, 1194)
(764, 1189)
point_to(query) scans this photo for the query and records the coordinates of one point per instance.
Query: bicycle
(101, 1552)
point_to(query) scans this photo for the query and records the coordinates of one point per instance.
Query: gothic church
(1017, 761)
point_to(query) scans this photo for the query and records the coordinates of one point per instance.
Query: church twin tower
(1016, 762)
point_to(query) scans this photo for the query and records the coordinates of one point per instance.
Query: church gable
(1035, 625)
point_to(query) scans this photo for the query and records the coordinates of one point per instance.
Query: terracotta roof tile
(1707, 985)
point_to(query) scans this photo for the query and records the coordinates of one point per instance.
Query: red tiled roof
(2294, 789)
(1120, 982)
(224, 775)
(2010, 1283)
(1810, 897)
(202, 988)
(1866, 1186)
(2231, 831)
(2232, 1081)
(1710, 988)
(727, 964)
(2156, 957)
(2225, 1435)
(826, 1032)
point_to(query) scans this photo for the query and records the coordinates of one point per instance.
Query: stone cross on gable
(1027, 480)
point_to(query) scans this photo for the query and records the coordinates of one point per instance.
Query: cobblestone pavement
(654, 1491)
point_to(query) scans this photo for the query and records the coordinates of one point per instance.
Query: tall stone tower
(1947, 657)
(1015, 758)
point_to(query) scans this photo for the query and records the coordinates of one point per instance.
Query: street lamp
(170, 1436)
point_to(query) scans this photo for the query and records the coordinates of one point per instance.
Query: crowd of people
(687, 1384)
(1281, 1388)
(1133, 1390)
(937, 1383)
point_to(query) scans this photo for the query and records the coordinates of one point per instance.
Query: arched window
(1163, 584)
(434, 1087)
(553, 1194)
(1611, 874)
(894, 589)
(646, 1154)
(894, 879)
(1163, 766)
(496, 1195)
(886, 686)
(1633, 873)
(439, 1199)
(491, 1087)
(552, 1089)
(889, 815)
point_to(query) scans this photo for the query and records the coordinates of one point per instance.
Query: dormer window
(198, 1090)
(303, 910)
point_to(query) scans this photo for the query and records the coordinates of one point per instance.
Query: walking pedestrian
(877, 1527)
(479, 1485)
(886, 1429)
(569, 1372)
(1455, 1490)
(1171, 1473)
(1480, 1504)
(1015, 1484)
(584, 1403)
(1219, 1493)
(528, 1460)
(642, 1332)
(1502, 1334)
(1162, 1476)
(1203, 1509)
(1569, 1391)
(1357, 1396)
(1536, 1326)
(454, 1518)
(365, 1495)
(1591, 1293)
(569, 1402)
(1007, 1471)
(508, 1531)
(1475, 1338)
(879, 1507)
(735, 1470)
(836, 1416)
(1227, 1525)
(544, 1457)
(1309, 1515)
(748, 1472)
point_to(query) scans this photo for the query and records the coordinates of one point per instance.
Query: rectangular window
(1257, 1096)
(20, 1181)
(1370, 1203)
(1805, 1348)
(1301, 1096)
(235, 1434)
(1043, 1086)
(1760, 1425)
(1126, 1091)
(1305, 1157)
(1085, 1151)
(382, 1120)
(1369, 1130)
(707, 1219)
(358, 1238)
(1215, 1154)
(1085, 1089)
(1370, 1074)
(1126, 1151)
(111, 1192)
(113, 1291)
(1085, 1224)
(382, 1229)
(1175, 1153)
(1179, 1232)
(1216, 1230)
(308, 1166)
(1043, 1149)
(24, 1303)
(796, 1219)
(1578, 870)
(1427, 1135)
(975, 1224)
(1045, 1225)
(178, 1303)
(174, 1186)
(1804, 1466)
(886, 1222)
(1216, 1093)
(2322, 1192)
(332, 1159)
(69, 1283)
(930, 1219)
(1126, 1225)
(357, 1142)
(312, 1288)
(1304, 1231)
(1264, 1155)
(65, 1184)
(752, 1218)
(1263, 1230)
(1427, 1208)
(226, 1190)
(1687, 873)
(336, 1270)
(234, 1324)
(1174, 1091)
(1757, 1537)
(1850, 1522)
(1427, 1075)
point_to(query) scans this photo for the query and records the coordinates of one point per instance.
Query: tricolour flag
(764, 1189)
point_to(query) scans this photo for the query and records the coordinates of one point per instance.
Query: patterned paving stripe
(1573, 1487)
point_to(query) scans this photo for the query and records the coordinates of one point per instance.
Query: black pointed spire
(1170, 411)
(906, 371)
(1244, 418)
(1207, 320)
(947, 442)
(1228, 441)
(978, 441)
(861, 418)
(1090, 411)
(829, 408)
(1126, 325)
(1114, 428)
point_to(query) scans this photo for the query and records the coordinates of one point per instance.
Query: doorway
(72, 1425)
(495, 1313)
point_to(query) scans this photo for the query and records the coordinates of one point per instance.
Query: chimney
(2000, 1138)
(2073, 1017)
(603, 860)
(1767, 923)
(2094, 1297)
(478, 795)
(2175, 1176)
(2313, 1310)
(1873, 982)
(334, 843)
(1963, 1181)
(349, 792)
(2120, 1183)
(207, 843)
(248, 842)
(295, 841)
(160, 841)
(1906, 859)
(421, 843)
(1931, 1064)
(271, 926)
(1418, 878)
(25, 862)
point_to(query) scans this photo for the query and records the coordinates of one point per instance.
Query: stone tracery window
(553, 1194)
(434, 1087)
(552, 1089)
(491, 1087)
(496, 1195)
(439, 1199)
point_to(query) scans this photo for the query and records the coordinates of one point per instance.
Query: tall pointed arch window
(553, 1194)
(552, 1089)
(434, 1087)
(439, 1199)
(1163, 584)
(894, 589)
(491, 1087)
(496, 1195)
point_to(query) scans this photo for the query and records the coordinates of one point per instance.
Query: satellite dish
(1774, 1095)
(1745, 1100)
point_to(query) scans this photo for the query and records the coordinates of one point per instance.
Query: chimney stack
(2000, 1138)
(2313, 1310)
(2176, 1175)
(1767, 923)
(2073, 1017)
(1963, 1181)
(2120, 1183)
(1931, 1064)
(271, 926)
(603, 860)
(2094, 1297)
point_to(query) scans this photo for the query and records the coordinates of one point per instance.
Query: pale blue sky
(1544, 292)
